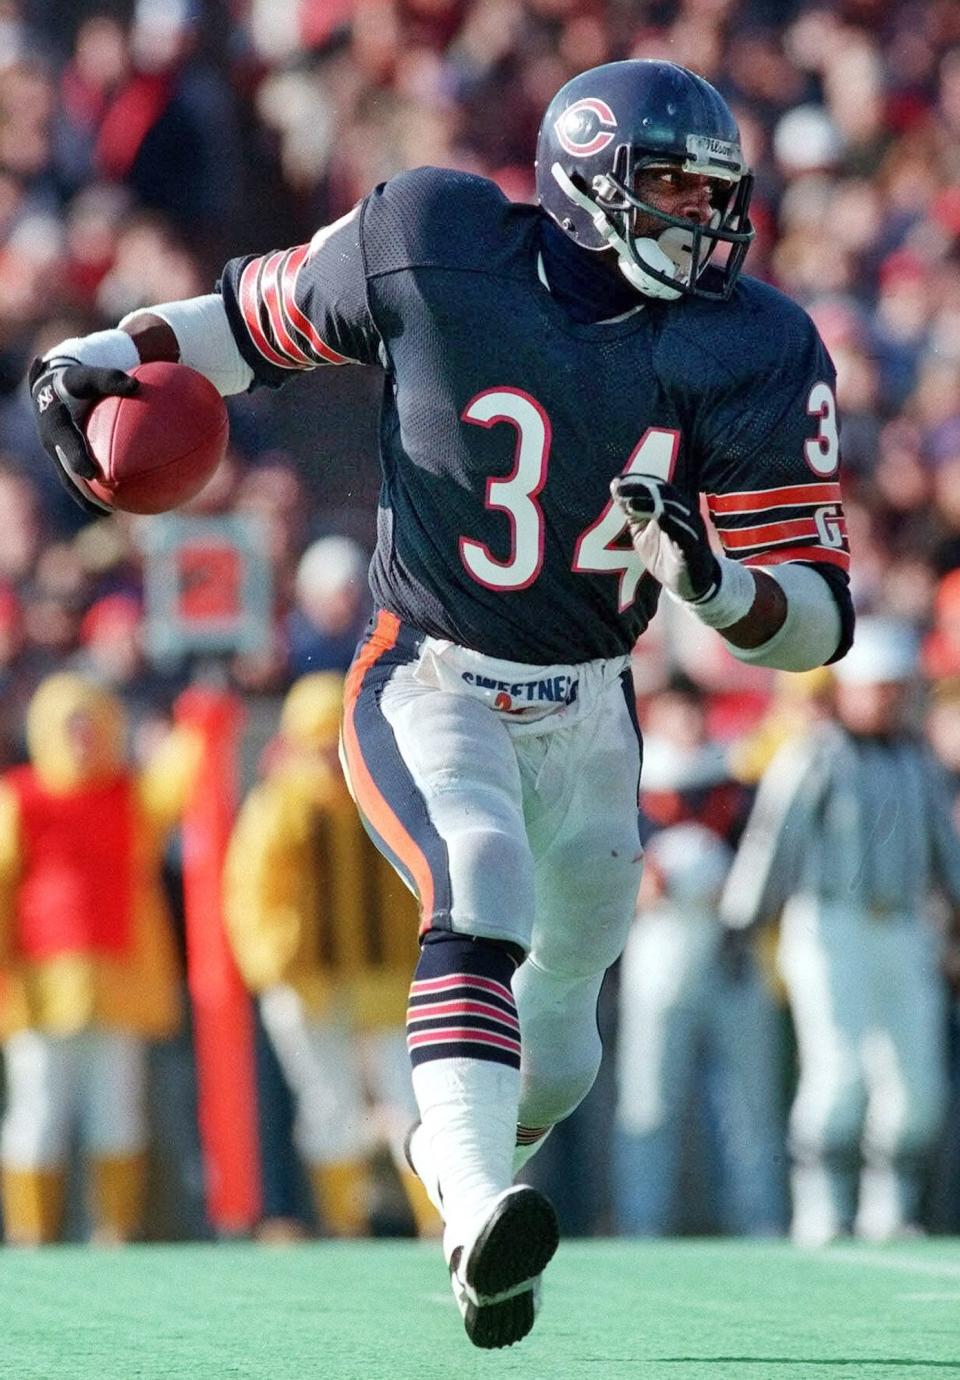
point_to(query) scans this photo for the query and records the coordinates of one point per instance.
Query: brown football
(158, 447)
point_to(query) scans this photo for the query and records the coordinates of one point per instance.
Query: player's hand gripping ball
(157, 447)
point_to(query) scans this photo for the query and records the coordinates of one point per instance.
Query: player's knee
(561, 1041)
(493, 881)
(588, 927)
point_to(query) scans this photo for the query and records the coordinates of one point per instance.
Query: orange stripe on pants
(367, 794)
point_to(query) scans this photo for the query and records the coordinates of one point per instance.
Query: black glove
(677, 550)
(63, 392)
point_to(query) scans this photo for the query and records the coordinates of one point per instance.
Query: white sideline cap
(885, 650)
(329, 565)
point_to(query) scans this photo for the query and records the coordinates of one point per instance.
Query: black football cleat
(496, 1277)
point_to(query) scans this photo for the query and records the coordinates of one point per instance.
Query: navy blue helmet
(610, 123)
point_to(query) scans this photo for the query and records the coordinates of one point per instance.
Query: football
(157, 448)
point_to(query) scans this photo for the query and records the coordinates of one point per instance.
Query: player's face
(677, 193)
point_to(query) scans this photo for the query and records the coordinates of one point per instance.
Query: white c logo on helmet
(586, 127)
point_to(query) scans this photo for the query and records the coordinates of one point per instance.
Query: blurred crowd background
(144, 142)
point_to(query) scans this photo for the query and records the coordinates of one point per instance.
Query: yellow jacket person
(326, 935)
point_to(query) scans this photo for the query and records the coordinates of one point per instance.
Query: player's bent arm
(794, 624)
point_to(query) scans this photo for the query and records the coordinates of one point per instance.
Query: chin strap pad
(647, 249)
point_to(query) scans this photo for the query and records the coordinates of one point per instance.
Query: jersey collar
(587, 291)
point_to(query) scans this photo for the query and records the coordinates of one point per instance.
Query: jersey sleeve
(300, 308)
(770, 452)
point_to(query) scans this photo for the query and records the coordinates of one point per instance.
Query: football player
(562, 383)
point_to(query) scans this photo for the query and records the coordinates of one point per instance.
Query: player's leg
(318, 1060)
(580, 800)
(824, 957)
(435, 777)
(35, 1137)
(114, 1130)
(905, 1058)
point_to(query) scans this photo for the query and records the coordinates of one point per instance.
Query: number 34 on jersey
(600, 547)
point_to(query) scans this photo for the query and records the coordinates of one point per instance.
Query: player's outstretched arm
(790, 622)
(72, 378)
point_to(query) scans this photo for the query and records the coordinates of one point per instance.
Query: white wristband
(731, 600)
(101, 350)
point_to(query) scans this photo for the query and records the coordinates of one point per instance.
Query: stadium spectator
(331, 606)
(86, 957)
(141, 108)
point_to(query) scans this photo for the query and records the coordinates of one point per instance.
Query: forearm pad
(811, 631)
(205, 339)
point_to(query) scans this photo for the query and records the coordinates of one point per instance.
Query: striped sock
(464, 1040)
(464, 1015)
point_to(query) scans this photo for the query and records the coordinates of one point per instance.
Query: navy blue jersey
(504, 419)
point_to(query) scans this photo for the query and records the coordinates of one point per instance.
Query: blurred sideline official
(88, 972)
(851, 832)
(325, 933)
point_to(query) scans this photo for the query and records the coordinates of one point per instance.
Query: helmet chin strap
(647, 249)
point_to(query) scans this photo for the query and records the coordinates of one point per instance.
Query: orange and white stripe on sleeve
(794, 522)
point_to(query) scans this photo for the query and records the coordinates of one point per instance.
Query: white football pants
(518, 831)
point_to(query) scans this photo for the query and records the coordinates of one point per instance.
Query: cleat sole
(510, 1253)
(498, 1325)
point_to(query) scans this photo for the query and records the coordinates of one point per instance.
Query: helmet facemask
(670, 265)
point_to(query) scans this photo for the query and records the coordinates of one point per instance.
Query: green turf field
(691, 1310)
